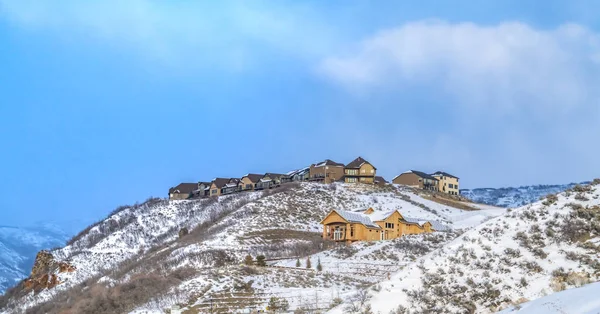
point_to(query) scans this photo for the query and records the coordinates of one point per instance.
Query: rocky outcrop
(44, 274)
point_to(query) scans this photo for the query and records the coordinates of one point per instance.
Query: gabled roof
(184, 188)
(381, 215)
(205, 183)
(220, 182)
(328, 162)
(274, 175)
(357, 163)
(445, 174)
(420, 174)
(254, 177)
(356, 217)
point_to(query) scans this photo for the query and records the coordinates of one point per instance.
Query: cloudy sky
(104, 103)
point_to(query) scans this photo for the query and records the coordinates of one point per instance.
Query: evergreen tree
(319, 266)
(248, 260)
(260, 261)
(308, 264)
(298, 263)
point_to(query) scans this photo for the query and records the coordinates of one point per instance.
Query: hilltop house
(299, 175)
(370, 225)
(231, 187)
(202, 190)
(447, 183)
(276, 178)
(359, 170)
(249, 181)
(217, 185)
(327, 171)
(380, 180)
(182, 191)
(417, 179)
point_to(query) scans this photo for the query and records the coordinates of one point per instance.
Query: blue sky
(104, 103)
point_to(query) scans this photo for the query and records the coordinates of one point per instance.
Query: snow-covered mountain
(19, 246)
(149, 257)
(512, 197)
(526, 254)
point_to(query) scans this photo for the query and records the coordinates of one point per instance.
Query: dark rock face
(44, 272)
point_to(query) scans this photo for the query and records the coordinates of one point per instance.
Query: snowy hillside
(18, 247)
(582, 300)
(530, 252)
(189, 252)
(513, 197)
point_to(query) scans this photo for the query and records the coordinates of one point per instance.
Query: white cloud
(503, 67)
(183, 33)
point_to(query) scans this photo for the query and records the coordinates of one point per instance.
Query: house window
(451, 185)
(352, 172)
(389, 225)
(213, 192)
(372, 170)
(363, 171)
(248, 186)
(351, 231)
(351, 180)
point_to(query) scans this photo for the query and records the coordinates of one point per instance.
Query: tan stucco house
(249, 181)
(359, 170)
(216, 187)
(417, 179)
(370, 225)
(447, 183)
(182, 191)
(327, 171)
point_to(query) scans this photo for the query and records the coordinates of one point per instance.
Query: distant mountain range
(19, 246)
(512, 197)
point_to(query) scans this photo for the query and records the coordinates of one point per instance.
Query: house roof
(205, 183)
(274, 175)
(380, 179)
(420, 174)
(220, 182)
(184, 188)
(254, 177)
(357, 163)
(381, 215)
(357, 217)
(441, 173)
(328, 162)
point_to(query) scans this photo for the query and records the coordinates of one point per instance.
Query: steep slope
(582, 300)
(18, 247)
(161, 253)
(526, 254)
(513, 197)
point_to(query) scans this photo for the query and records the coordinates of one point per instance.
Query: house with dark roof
(202, 190)
(249, 181)
(276, 178)
(380, 180)
(417, 179)
(447, 183)
(359, 170)
(231, 187)
(217, 185)
(326, 171)
(182, 191)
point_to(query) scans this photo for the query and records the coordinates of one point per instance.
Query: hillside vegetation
(151, 256)
(528, 253)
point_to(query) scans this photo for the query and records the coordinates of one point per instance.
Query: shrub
(260, 261)
(308, 264)
(183, 232)
(581, 197)
(248, 261)
(319, 266)
(550, 199)
(278, 305)
(298, 263)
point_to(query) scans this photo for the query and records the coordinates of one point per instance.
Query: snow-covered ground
(276, 223)
(525, 254)
(584, 300)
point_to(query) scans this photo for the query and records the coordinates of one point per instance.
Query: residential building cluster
(328, 171)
